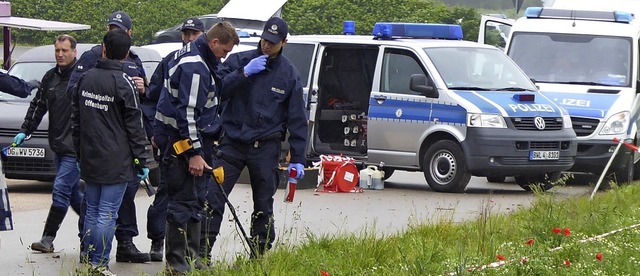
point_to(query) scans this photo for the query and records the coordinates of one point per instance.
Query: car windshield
(27, 71)
(574, 59)
(466, 68)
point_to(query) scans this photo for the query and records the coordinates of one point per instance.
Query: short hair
(223, 31)
(116, 43)
(71, 39)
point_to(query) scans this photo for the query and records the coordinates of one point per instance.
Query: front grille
(8, 132)
(527, 123)
(584, 126)
(27, 165)
(544, 145)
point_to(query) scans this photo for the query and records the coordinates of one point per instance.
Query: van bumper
(593, 156)
(506, 152)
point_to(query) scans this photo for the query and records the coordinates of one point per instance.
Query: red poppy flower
(556, 230)
(324, 273)
(524, 260)
(500, 257)
(567, 262)
(599, 256)
(566, 232)
(530, 241)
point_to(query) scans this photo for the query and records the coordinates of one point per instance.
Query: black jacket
(107, 124)
(53, 97)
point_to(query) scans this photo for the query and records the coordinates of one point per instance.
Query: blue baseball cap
(120, 19)
(275, 30)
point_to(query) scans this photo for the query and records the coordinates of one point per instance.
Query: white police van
(584, 55)
(415, 97)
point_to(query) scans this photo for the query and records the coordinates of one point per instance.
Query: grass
(524, 239)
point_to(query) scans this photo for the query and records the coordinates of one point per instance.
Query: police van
(584, 55)
(415, 97)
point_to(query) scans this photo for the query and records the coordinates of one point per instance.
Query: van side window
(300, 55)
(397, 68)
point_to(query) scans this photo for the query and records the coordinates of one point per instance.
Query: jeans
(103, 201)
(66, 186)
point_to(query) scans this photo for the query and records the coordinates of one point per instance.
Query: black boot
(193, 242)
(206, 244)
(128, 252)
(157, 246)
(176, 249)
(51, 226)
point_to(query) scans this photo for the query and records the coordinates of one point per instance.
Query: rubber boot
(128, 252)
(51, 226)
(206, 244)
(157, 246)
(176, 249)
(193, 240)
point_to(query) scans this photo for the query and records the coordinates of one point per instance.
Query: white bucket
(371, 178)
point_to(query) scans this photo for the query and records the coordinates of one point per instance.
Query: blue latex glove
(19, 139)
(143, 173)
(256, 65)
(299, 169)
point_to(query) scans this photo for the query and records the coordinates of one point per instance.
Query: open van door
(495, 31)
(250, 15)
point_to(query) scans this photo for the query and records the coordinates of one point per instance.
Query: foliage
(304, 16)
(556, 236)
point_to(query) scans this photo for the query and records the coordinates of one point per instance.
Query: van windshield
(573, 59)
(27, 71)
(484, 69)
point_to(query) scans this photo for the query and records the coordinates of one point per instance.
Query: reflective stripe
(502, 111)
(190, 59)
(174, 92)
(191, 113)
(166, 120)
(213, 101)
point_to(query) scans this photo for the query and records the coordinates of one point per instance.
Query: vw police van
(584, 55)
(416, 97)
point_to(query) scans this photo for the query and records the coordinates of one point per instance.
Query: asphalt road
(405, 200)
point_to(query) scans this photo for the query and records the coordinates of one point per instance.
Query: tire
(496, 179)
(445, 167)
(388, 172)
(623, 173)
(542, 182)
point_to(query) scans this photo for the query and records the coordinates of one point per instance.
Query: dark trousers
(262, 163)
(157, 213)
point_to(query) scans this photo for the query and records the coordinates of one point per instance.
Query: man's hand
(143, 173)
(197, 165)
(139, 84)
(34, 84)
(299, 169)
(19, 139)
(256, 65)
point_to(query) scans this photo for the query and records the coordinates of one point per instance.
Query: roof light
(386, 30)
(242, 33)
(524, 97)
(533, 12)
(349, 28)
(609, 16)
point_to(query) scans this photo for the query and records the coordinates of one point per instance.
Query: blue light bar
(242, 33)
(386, 30)
(349, 28)
(533, 12)
(524, 97)
(623, 16)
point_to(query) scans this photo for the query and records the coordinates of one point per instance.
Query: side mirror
(420, 83)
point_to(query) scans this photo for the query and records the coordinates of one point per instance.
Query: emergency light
(524, 97)
(349, 28)
(386, 30)
(616, 16)
(243, 34)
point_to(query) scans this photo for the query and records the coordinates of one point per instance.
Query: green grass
(444, 247)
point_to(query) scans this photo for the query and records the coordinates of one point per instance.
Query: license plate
(25, 152)
(544, 155)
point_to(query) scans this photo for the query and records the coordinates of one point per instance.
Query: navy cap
(193, 23)
(275, 30)
(121, 20)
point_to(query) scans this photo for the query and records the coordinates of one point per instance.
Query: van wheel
(444, 167)
(388, 172)
(541, 182)
(623, 172)
(496, 179)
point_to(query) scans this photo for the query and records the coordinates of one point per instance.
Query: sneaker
(157, 248)
(128, 252)
(45, 245)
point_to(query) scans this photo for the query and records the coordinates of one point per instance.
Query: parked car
(33, 64)
(173, 34)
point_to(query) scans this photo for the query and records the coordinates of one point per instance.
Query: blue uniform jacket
(156, 84)
(265, 103)
(14, 85)
(188, 105)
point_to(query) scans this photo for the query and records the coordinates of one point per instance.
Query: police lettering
(531, 107)
(575, 102)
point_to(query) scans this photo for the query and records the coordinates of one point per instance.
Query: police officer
(265, 101)
(17, 86)
(52, 98)
(191, 29)
(127, 221)
(186, 111)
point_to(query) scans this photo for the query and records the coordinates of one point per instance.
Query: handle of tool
(290, 190)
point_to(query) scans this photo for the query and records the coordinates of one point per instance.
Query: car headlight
(485, 120)
(617, 124)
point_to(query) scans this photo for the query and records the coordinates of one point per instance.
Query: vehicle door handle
(379, 98)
